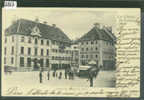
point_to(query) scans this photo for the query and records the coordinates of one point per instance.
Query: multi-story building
(98, 45)
(31, 45)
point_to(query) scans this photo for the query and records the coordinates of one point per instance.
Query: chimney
(54, 25)
(37, 20)
(97, 25)
(45, 22)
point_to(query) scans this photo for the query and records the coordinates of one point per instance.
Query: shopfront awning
(84, 67)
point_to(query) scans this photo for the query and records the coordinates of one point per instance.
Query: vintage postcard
(72, 52)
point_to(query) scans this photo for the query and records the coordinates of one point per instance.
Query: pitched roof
(24, 27)
(98, 34)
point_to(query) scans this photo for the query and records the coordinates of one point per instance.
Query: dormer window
(35, 31)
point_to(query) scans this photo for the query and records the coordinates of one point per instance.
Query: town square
(38, 52)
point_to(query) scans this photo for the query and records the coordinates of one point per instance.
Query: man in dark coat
(91, 79)
(60, 75)
(66, 74)
(48, 75)
(40, 76)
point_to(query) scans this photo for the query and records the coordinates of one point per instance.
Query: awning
(84, 67)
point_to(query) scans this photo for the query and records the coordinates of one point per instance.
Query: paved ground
(29, 79)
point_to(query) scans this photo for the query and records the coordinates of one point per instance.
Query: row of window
(29, 40)
(89, 56)
(35, 41)
(84, 62)
(95, 42)
(61, 58)
(12, 50)
(89, 49)
(35, 51)
(29, 62)
(41, 42)
(109, 43)
(62, 51)
(13, 39)
(88, 42)
(55, 42)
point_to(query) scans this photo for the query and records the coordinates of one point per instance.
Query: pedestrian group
(69, 74)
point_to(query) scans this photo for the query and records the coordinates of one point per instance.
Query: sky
(74, 22)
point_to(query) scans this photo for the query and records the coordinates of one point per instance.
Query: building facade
(98, 45)
(31, 45)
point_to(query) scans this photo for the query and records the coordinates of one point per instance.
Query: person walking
(60, 75)
(91, 79)
(40, 76)
(97, 71)
(66, 74)
(48, 75)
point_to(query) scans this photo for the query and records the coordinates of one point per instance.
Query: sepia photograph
(59, 47)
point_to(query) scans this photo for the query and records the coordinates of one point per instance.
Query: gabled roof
(98, 34)
(24, 27)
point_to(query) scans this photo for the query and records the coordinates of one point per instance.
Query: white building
(30, 45)
(98, 45)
